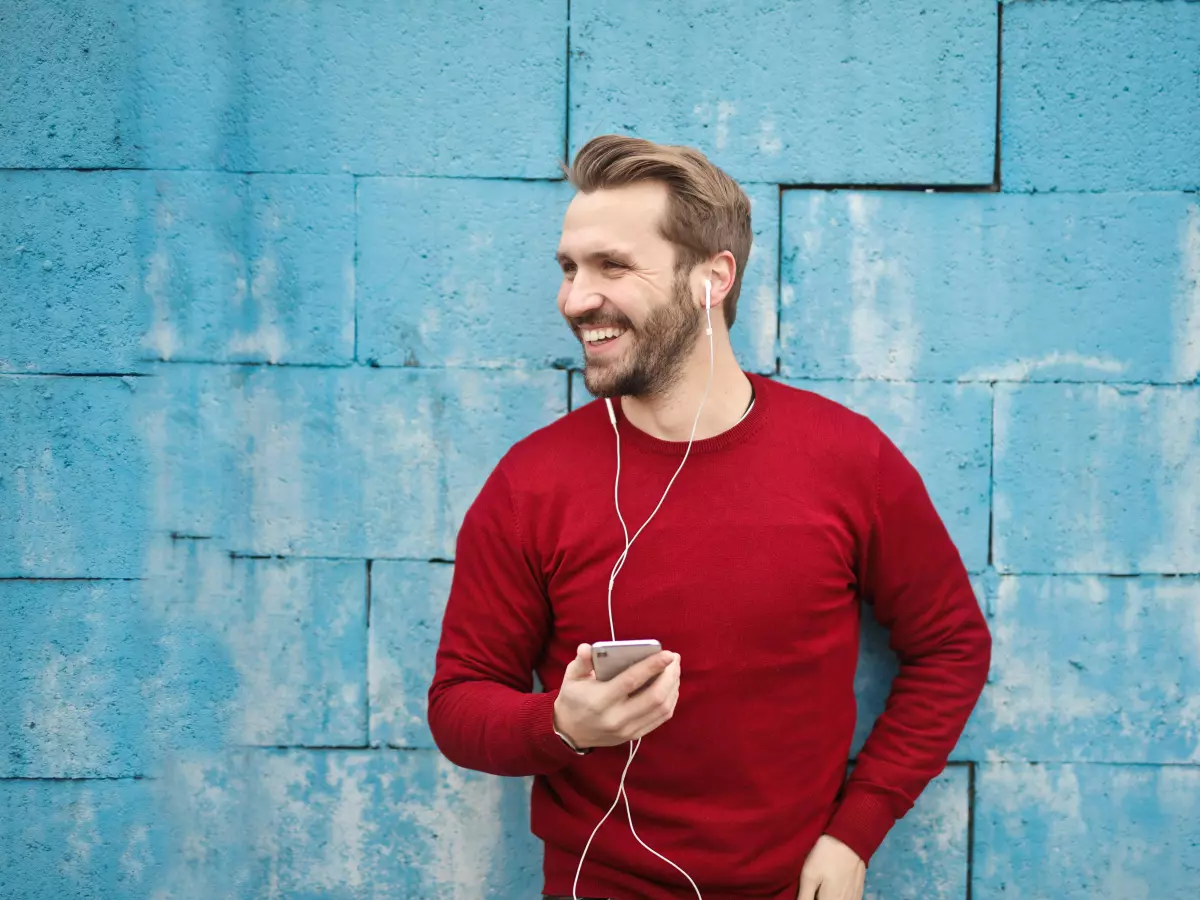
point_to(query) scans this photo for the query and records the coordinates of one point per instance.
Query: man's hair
(707, 211)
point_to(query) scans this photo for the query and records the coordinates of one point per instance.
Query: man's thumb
(581, 665)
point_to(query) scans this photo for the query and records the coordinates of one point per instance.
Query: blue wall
(276, 291)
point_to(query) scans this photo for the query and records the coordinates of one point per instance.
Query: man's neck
(669, 415)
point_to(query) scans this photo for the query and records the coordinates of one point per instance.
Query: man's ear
(722, 270)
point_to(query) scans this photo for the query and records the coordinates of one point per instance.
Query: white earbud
(708, 305)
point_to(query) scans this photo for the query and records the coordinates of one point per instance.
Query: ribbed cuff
(536, 724)
(861, 822)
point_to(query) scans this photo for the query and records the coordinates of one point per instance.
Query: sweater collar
(728, 438)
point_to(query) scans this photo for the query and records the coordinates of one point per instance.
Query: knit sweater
(753, 571)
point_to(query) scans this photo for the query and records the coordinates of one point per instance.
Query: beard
(658, 348)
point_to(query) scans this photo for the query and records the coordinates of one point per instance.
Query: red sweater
(752, 571)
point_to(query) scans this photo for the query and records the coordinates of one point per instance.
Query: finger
(646, 720)
(641, 672)
(665, 674)
(808, 887)
(581, 665)
(664, 707)
(673, 700)
(655, 695)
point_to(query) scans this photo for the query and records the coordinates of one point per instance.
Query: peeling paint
(1187, 301)
(881, 327)
(267, 339)
(770, 143)
(1022, 369)
(162, 338)
(1177, 421)
(273, 465)
(462, 821)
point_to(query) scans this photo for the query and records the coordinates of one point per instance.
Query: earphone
(634, 745)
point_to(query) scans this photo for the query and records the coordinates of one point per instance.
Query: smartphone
(611, 658)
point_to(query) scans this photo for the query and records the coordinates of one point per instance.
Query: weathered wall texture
(277, 289)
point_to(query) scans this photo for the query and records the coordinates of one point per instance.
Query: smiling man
(770, 513)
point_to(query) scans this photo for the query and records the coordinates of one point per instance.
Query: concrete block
(877, 92)
(248, 269)
(97, 85)
(408, 599)
(252, 823)
(72, 477)
(105, 676)
(111, 269)
(85, 839)
(187, 72)
(77, 656)
(461, 272)
(1100, 96)
(924, 856)
(455, 88)
(356, 462)
(1069, 679)
(1097, 478)
(70, 291)
(945, 431)
(66, 98)
(991, 287)
(300, 250)
(1079, 832)
(292, 637)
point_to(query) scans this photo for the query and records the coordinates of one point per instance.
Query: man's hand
(594, 713)
(832, 872)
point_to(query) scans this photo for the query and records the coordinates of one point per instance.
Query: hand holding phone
(624, 706)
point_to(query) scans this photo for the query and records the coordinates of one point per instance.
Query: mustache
(595, 323)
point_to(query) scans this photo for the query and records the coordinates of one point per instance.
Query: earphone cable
(634, 746)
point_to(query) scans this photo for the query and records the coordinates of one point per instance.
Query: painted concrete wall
(276, 291)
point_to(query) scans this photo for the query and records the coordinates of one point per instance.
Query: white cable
(620, 563)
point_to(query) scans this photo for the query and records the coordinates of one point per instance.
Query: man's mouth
(595, 337)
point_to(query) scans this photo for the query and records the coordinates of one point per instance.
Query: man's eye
(613, 264)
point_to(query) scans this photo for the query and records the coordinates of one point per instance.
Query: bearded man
(784, 511)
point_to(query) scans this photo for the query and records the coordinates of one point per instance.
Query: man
(788, 510)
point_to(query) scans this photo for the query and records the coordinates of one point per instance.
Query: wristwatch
(566, 740)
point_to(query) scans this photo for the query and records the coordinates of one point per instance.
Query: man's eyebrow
(610, 253)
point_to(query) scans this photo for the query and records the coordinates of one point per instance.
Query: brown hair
(707, 211)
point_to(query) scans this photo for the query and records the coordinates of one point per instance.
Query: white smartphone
(611, 658)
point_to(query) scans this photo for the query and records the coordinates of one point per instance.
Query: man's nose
(581, 297)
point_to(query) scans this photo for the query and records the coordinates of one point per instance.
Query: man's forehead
(618, 219)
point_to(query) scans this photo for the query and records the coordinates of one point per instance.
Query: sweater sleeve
(482, 710)
(913, 574)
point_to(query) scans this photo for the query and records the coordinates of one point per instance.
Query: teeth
(599, 334)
